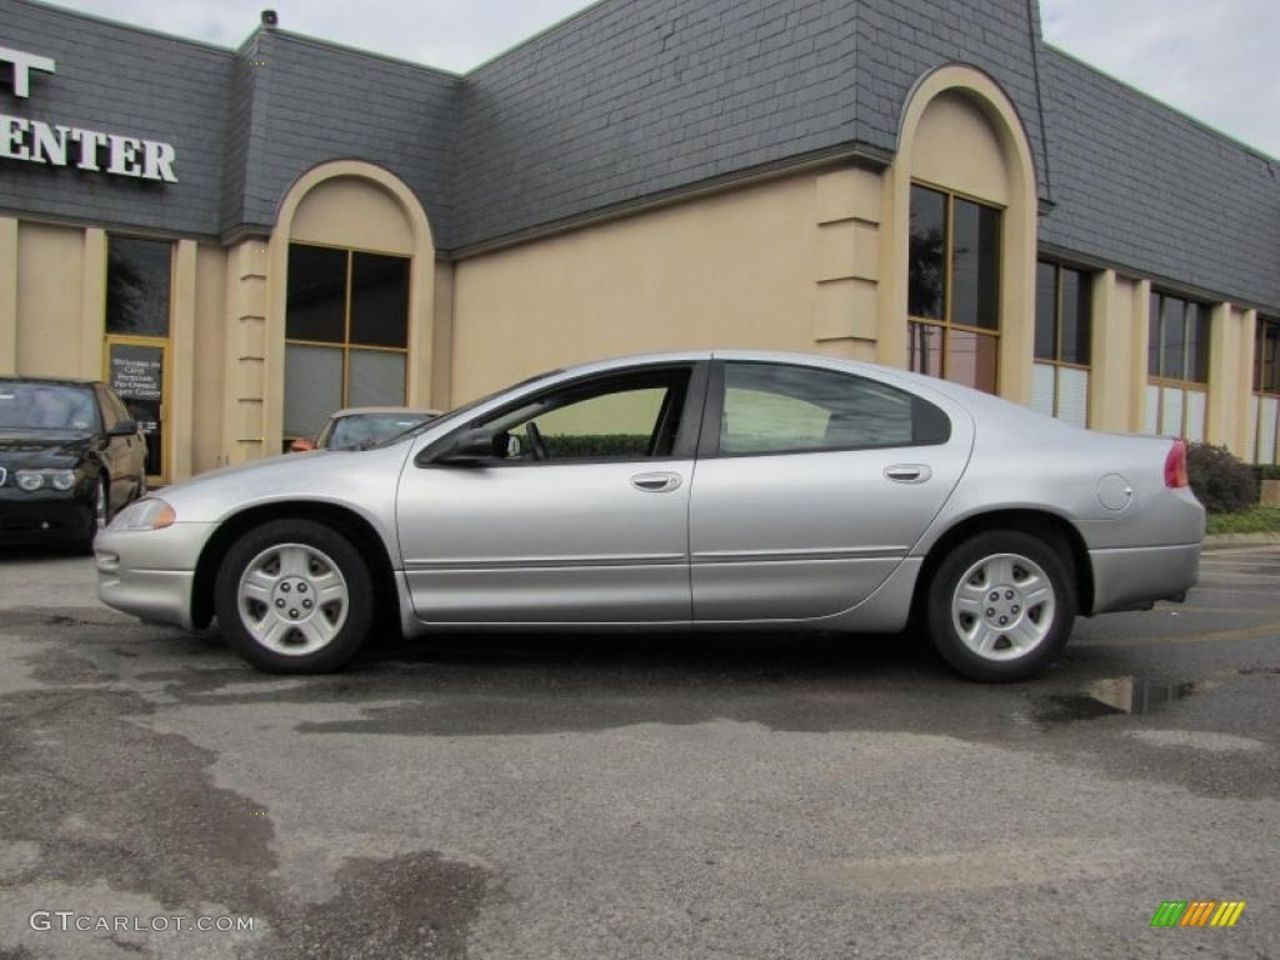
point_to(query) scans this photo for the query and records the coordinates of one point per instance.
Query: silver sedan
(701, 490)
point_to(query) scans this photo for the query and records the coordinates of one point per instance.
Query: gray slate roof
(1140, 185)
(635, 97)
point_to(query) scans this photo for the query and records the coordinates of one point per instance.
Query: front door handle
(908, 473)
(656, 482)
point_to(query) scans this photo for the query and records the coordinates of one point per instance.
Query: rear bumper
(150, 574)
(1129, 579)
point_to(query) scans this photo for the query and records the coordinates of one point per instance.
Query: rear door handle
(908, 473)
(656, 482)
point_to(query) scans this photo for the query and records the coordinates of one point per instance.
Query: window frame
(946, 324)
(1259, 384)
(347, 345)
(709, 439)
(1184, 384)
(1260, 390)
(686, 440)
(1087, 279)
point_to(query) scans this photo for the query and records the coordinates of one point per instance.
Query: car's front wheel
(295, 596)
(1001, 605)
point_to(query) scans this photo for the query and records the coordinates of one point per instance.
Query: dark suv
(70, 458)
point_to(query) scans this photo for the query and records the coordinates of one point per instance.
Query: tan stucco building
(257, 237)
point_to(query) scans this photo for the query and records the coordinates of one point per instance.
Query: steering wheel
(534, 436)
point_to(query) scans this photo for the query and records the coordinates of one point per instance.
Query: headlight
(151, 513)
(33, 480)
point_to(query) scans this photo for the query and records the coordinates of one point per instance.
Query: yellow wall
(8, 295)
(956, 147)
(349, 211)
(210, 367)
(50, 304)
(734, 269)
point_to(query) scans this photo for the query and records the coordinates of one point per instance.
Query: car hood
(364, 480)
(21, 446)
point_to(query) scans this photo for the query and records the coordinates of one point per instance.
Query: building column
(182, 361)
(440, 387)
(8, 295)
(1220, 417)
(891, 315)
(1240, 441)
(846, 309)
(93, 304)
(1111, 367)
(243, 436)
(1140, 335)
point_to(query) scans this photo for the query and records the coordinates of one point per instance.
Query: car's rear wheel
(295, 596)
(1001, 605)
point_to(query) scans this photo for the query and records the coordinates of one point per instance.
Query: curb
(1221, 541)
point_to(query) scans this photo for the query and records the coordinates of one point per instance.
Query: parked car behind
(358, 427)
(71, 457)
(727, 490)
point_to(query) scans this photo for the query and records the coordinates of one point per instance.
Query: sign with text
(137, 372)
(58, 145)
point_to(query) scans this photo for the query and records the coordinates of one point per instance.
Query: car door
(585, 521)
(812, 485)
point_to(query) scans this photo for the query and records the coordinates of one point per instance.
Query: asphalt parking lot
(641, 797)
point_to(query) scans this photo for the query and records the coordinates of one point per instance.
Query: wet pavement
(617, 796)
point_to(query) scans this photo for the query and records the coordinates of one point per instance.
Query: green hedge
(1253, 520)
(1223, 483)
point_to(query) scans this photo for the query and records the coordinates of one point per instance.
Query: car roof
(359, 411)
(50, 381)
(953, 390)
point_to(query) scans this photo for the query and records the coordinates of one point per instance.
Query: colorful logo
(1198, 913)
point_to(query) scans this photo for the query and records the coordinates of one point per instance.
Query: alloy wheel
(1003, 607)
(293, 599)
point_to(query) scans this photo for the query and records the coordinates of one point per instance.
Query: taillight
(1175, 465)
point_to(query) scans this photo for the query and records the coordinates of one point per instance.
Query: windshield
(366, 429)
(46, 406)
(480, 401)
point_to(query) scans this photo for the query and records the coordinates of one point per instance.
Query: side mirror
(479, 446)
(302, 445)
(123, 428)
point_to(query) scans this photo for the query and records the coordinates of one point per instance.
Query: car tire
(1001, 605)
(294, 596)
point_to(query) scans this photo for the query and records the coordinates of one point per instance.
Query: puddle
(1116, 695)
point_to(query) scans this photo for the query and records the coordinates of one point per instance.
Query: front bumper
(44, 516)
(151, 573)
(1134, 578)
